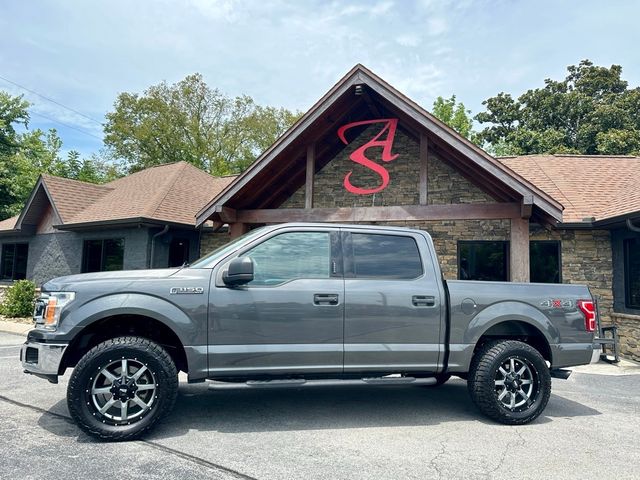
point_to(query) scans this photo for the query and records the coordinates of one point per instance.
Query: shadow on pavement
(275, 410)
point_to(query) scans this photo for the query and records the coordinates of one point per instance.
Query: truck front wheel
(122, 387)
(509, 382)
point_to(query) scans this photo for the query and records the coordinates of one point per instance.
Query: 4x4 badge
(557, 303)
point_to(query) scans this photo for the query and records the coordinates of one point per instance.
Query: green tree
(591, 111)
(27, 154)
(190, 121)
(455, 115)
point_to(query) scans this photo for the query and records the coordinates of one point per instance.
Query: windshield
(212, 258)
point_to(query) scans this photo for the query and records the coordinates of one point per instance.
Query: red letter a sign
(359, 155)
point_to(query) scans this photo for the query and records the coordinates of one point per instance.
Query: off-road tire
(146, 352)
(482, 381)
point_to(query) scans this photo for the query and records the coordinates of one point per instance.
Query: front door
(393, 304)
(289, 319)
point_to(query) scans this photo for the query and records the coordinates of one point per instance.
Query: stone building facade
(430, 169)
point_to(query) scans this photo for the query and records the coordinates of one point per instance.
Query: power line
(51, 100)
(67, 125)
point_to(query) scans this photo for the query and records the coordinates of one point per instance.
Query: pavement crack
(434, 461)
(521, 443)
(149, 443)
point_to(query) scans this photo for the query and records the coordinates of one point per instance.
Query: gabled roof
(335, 104)
(590, 187)
(170, 193)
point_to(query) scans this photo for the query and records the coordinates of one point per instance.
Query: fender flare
(504, 312)
(145, 305)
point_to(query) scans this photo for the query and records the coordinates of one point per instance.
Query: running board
(560, 373)
(301, 382)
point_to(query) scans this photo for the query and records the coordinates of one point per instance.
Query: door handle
(423, 301)
(325, 299)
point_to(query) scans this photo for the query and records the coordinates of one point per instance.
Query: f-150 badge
(186, 290)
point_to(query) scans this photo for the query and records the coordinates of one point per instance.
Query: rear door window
(391, 257)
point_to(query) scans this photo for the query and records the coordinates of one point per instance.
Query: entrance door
(393, 304)
(289, 319)
(178, 252)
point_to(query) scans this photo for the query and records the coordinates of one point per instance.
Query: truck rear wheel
(122, 387)
(509, 382)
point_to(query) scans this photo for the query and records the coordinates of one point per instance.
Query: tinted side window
(385, 256)
(289, 256)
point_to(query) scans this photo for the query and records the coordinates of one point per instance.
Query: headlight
(53, 304)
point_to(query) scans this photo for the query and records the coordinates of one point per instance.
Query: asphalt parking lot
(589, 430)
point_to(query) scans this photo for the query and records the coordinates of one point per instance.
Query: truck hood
(60, 283)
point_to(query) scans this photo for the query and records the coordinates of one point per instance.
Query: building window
(632, 272)
(385, 257)
(483, 260)
(290, 256)
(102, 255)
(178, 252)
(544, 261)
(13, 263)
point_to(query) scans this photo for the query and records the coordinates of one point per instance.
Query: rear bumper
(42, 359)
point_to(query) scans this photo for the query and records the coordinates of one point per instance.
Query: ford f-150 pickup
(302, 305)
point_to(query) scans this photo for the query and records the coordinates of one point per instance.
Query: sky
(82, 53)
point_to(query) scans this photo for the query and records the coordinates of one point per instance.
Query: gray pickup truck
(302, 305)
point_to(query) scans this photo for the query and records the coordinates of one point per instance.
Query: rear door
(289, 319)
(393, 305)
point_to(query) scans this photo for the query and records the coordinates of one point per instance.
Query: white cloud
(408, 40)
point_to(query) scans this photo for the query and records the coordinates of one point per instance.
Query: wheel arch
(124, 324)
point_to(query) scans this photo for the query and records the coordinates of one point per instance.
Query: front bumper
(42, 359)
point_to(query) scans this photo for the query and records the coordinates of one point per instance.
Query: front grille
(31, 355)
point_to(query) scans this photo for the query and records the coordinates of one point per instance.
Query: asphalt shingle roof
(171, 193)
(587, 186)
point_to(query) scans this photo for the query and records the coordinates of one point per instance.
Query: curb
(15, 328)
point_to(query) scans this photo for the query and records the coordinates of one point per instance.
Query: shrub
(19, 299)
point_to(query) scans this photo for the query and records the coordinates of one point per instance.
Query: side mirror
(240, 272)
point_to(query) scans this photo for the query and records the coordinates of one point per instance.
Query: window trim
(559, 243)
(349, 257)
(507, 258)
(626, 244)
(102, 253)
(15, 259)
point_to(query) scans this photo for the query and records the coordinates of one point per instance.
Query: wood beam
(424, 169)
(238, 228)
(310, 171)
(482, 211)
(519, 250)
(225, 214)
(526, 206)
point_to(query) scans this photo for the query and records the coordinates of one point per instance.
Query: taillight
(588, 307)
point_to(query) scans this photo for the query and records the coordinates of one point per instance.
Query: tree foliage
(192, 122)
(454, 114)
(592, 111)
(25, 154)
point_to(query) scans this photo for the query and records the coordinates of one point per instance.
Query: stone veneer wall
(210, 241)
(445, 185)
(586, 258)
(629, 334)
